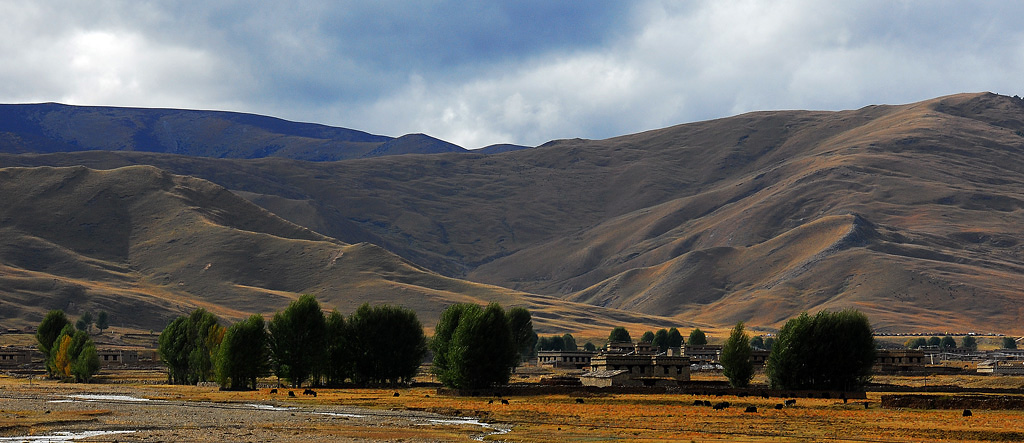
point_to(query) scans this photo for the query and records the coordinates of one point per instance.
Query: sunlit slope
(680, 221)
(146, 245)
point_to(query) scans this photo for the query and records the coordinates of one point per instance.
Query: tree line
(830, 350)
(300, 345)
(473, 346)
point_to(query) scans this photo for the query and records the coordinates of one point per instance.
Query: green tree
(827, 351)
(102, 321)
(757, 342)
(520, 322)
(204, 335)
(480, 352)
(174, 350)
(675, 338)
(387, 344)
(243, 355)
(768, 343)
(297, 340)
(444, 334)
(947, 343)
(934, 341)
(969, 342)
(569, 343)
(735, 359)
(589, 347)
(697, 338)
(188, 347)
(648, 337)
(916, 343)
(74, 356)
(339, 359)
(49, 329)
(619, 334)
(660, 340)
(1009, 343)
(85, 322)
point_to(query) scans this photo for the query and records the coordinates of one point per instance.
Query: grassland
(420, 414)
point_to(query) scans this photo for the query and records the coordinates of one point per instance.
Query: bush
(1009, 343)
(827, 351)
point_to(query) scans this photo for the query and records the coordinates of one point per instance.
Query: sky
(523, 72)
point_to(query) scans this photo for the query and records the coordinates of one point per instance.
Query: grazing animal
(312, 392)
(751, 409)
(765, 396)
(791, 402)
(504, 402)
(866, 405)
(490, 402)
(698, 402)
(291, 393)
(273, 391)
(779, 406)
(707, 403)
(395, 395)
(967, 413)
(721, 405)
(579, 401)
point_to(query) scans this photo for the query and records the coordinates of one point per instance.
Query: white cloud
(431, 69)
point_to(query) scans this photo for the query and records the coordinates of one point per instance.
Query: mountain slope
(908, 212)
(146, 245)
(52, 127)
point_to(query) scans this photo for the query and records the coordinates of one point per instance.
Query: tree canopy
(827, 351)
(387, 344)
(660, 340)
(1009, 343)
(697, 338)
(520, 322)
(619, 334)
(675, 338)
(947, 342)
(188, 347)
(969, 342)
(49, 329)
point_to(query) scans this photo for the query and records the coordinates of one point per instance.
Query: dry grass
(562, 417)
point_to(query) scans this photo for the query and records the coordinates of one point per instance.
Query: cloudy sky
(477, 73)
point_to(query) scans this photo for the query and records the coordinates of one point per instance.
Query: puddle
(269, 407)
(339, 414)
(494, 430)
(101, 397)
(61, 436)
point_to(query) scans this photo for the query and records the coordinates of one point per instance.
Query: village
(617, 364)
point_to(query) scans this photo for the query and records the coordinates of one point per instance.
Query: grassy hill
(146, 245)
(909, 213)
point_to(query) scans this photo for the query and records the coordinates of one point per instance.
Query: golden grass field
(542, 418)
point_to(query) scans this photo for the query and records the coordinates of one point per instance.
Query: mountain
(52, 127)
(909, 213)
(146, 245)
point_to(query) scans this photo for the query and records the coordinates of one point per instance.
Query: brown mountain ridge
(910, 213)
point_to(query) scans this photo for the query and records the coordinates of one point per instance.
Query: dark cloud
(524, 72)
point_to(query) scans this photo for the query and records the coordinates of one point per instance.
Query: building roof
(604, 373)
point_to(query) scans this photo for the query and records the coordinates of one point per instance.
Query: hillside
(909, 213)
(146, 245)
(53, 127)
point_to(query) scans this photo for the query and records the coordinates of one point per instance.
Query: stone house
(117, 357)
(565, 359)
